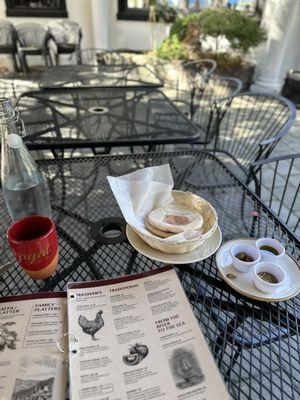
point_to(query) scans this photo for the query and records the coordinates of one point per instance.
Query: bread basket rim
(202, 238)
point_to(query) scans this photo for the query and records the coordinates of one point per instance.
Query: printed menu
(31, 367)
(136, 338)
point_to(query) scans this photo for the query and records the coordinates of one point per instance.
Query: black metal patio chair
(190, 77)
(208, 105)
(249, 128)
(278, 185)
(32, 40)
(8, 41)
(194, 75)
(66, 35)
(95, 56)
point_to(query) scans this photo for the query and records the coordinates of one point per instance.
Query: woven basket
(210, 223)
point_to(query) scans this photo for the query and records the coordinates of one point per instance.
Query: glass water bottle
(25, 191)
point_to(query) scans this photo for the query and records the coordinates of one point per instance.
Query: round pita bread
(175, 218)
(156, 231)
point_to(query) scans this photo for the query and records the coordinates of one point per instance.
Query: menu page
(31, 366)
(138, 339)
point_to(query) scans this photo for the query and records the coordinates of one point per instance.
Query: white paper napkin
(143, 190)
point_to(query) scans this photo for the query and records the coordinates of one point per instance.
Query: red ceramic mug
(34, 243)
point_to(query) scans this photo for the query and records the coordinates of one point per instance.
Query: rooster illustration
(91, 327)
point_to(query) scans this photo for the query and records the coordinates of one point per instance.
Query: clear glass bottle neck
(9, 120)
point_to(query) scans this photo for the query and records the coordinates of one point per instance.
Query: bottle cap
(14, 140)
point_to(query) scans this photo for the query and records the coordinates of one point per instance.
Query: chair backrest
(32, 34)
(7, 34)
(192, 74)
(200, 71)
(65, 31)
(278, 185)
(251, 124)
(218, 89)
(94, 56)
(111, 58)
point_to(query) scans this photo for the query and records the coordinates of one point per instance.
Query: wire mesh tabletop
(99, 76)
(256, 345)
(103, 117)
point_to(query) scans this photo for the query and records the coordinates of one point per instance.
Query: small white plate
(209, 247)
(243, 281)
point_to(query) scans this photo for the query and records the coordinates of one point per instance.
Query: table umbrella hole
(98, 110)
(109, 230)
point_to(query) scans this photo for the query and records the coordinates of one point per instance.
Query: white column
(101, 16)
(281, 20)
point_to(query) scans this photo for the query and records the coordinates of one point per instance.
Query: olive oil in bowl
(269, 249)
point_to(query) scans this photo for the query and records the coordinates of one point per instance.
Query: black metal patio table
(72, 118)
(255, 344)
(129, 75)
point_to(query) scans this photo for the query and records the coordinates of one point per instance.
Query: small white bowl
(266, 255)
(273, 269)
(240, 265)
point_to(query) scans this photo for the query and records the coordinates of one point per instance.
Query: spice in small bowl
(268, 277)
(244, 256)
(270, 249)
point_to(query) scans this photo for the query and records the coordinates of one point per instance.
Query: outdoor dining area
(100, 116)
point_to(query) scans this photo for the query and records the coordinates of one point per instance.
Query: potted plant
(223, 34)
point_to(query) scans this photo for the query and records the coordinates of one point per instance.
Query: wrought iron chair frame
(190, 92)
(76, 56)
(256, 170)
(11, 48)
(266, 146)
(24, 51)
(62, 48)
(216, 106)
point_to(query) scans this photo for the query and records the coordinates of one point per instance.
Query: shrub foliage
(242, 31)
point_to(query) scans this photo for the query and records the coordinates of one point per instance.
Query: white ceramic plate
(243, 282)
(209, 247)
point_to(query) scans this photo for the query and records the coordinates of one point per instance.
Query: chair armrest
(263, 161)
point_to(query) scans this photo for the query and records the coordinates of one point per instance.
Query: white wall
(136, 35)
(123, 34)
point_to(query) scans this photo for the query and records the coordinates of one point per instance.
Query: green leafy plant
(241, 30)
(172, 49)
(181, 24)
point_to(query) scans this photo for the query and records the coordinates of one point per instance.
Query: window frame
(13, 11)
(133, 14)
